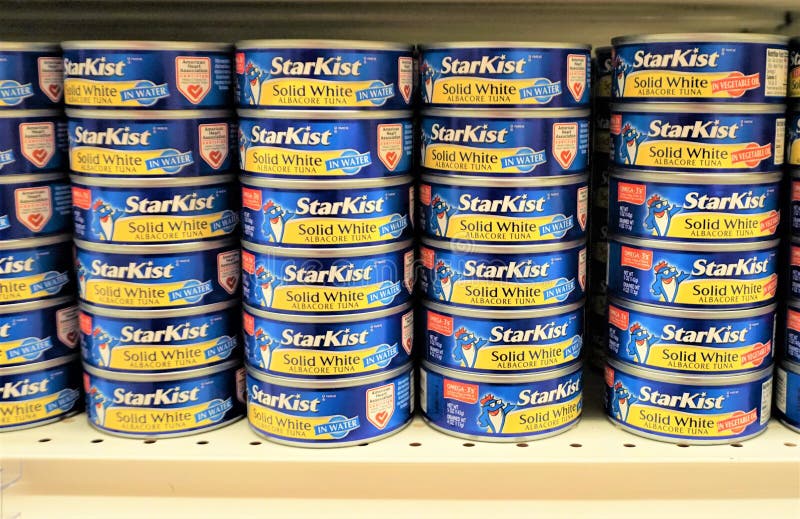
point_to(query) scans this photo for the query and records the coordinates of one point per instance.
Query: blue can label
(504, 77)
(337, 415)
(39, 396)
(602, 72)
(500, 345)
(323, 285)
(695, 212)
(147, 79)
(686, 278)
(513, 215)
(791, 344)
(795, 205)
(505, 147)
(151, 148)
(793, 138)
(324, 78)
(787, 395)
(510, 281)
(36, 272)
(700, 71)
(32, 144)
(303, 217)
(166, 407)
(676, 411)
(154, 214)
(699, 345)
(794, 270)
(328, 349)
(136, 280)
(698, 142)
(33, 208)
(31, 79)
(495, 410)
(157, 344)
(37, 335)
(337, 148)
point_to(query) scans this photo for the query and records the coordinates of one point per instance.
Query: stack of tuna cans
(787, 374)
(325, 149)
(503, 210)
(597, 318)
(155, 205)
(697, 142)
(39, 375)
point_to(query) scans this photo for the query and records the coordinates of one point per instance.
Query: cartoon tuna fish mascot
(429, 77)
(639, 344)
(104, 344)
(467, 346)
(620, 70)
(275, 218)
(441, 212)
(621, 402)
(104, 217)
(668, 280)
(444, 279)
(493, 413)
(254, 79)
(83, 276)
(631, 139)
(98, 404)
(264, 286)
(264, 346)
(659, 215)
(243, 143)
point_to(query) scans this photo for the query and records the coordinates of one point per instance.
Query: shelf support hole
(415, 444)
(468, 444)
(97, 440)
(629, 445)
(44, 440)
(576, 445)
(522, 445)
(149, 441)
(790, 444)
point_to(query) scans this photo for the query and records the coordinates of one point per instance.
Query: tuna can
(603, 71)
(38, 331)
(502, 342)
(329, 213)
(155, 75)
(795, 202)
(330, 413)
(147, 405)
(787, 395)
(333, 346)
(36, 268)
(701, 67)
(496, 74)
(31, 75)
(694, 207)
(158, 276)
(326, 74)
(688, 275)
(32, 141)
(155, 341)
(708, 138)
(34, 205)
(794, 69)
(37, 394)
(794, 268)
(292, 144)
(186, 143)
(327, 281)
(509, 211)
(154, 210)
(684, 409)
(503, 277)
(793, 136)
(791, 344)
(505, 143)
(501, 408)
(690, 341)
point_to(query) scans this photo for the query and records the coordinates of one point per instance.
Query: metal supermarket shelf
(417, 20)
(69, 467)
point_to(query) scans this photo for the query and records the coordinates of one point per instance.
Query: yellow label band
(455, 157)
(726, 291)
(23, 288)
(794, 152)
(146, 419)
(285, 161)
(542, 419)
(722, 225)
(525, 356)
(147, 228)
(487, 91)
(104, 161)
(276, 423)
(27, 411)
(307, 298)
(317, 93)
(500, 293)
(337, 231)
(139, 357)
(694, 155)
(680, 423)
(323, 363)
(698, 358)
(665, 83)
(498, 228)
(87, 92)
(138, 295)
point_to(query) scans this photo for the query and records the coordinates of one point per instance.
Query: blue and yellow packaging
(38, 331)
(34, 205)
(31, 75)
(35, 269)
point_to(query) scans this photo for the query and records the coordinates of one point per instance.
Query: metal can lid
(148, 182)
(696, 247)
(497, 315)
(40, 366)
(519, 113)
(29, 306)
(159, 314)
(28, 114)
(127, 376)
(503, 249)
(714, 380)
(32, 243)
(333, 383)
(698, 108)
(505, 378)
(488, 46)
(146, 45)
(327, 319)
(152, 115)
(500, 183)
(161, 248)
(326, 184)
(793, 303)
(350, 252)
(700, 37)
(323, 45)
(705, 314)
(790, 366)
(29, 46)
(323, 115)
(50, 178)
(687, 178)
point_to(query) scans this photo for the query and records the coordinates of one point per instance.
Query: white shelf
(593, 467)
